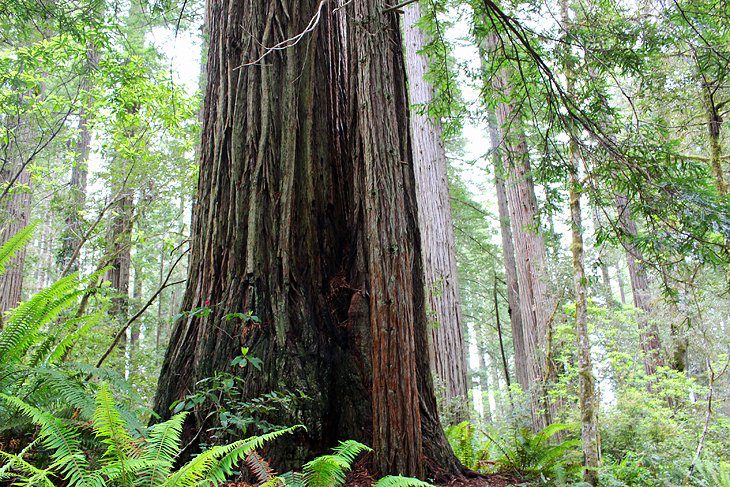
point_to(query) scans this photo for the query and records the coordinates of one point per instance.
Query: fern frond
(331, 470)
(75, 328)
(217, 464)
(110, 428)
(289, 479)
(23, 324)
(259, 467)
(326, 471)
(15, 243)
(62, 386)
(162, 447)
(24, 473)
(350, 449)
(399, 481)
(61, 439)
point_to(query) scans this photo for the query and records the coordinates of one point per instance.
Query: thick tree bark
(508, 255)
(15, 209)
(306, 216)
(648, 333)
(447, 350)
(15, 216)
(535, 303)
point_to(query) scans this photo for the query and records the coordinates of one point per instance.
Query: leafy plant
(32, 353)
(710, 474)
(399, 481)
(125, 459)
(324, 471)
(224, 394)
(532, 454)
(524, 453)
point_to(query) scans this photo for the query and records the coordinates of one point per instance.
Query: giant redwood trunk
(306, 216)
(448, 353)
(535, 303)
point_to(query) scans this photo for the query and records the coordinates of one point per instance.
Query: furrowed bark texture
(508, 254)
(306, 216)
(15, 210)
(447, 351)
(120, 243)
(535, 303)
(648, 332)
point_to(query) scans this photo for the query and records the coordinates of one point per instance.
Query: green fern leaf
(62, 440)
(399, 481)
(331, 470)
(15, 243)
(162, 447)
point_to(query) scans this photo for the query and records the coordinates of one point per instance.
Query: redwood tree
(535, 303)
(306, 216)
(448, 353)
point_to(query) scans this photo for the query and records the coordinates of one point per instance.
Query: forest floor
(361, 477)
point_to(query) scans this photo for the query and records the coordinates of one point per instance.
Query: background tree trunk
(714, 123)
(15, 209)
(447, 351)
(508, 254)
(648, 333)
(306, 216)
(79, 171)
(530, 252)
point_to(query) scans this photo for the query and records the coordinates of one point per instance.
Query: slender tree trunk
(714, 124)
(447, 351)
(587, 387)
(530, 252)
(306, 216)
(79, 170)
(483, 376)
(680, 322)
(135, 328)
(620, 279)
(648, 333)
(586, 382)
(120, 243)
(607, 289)
(498, 321)
(508, 253)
